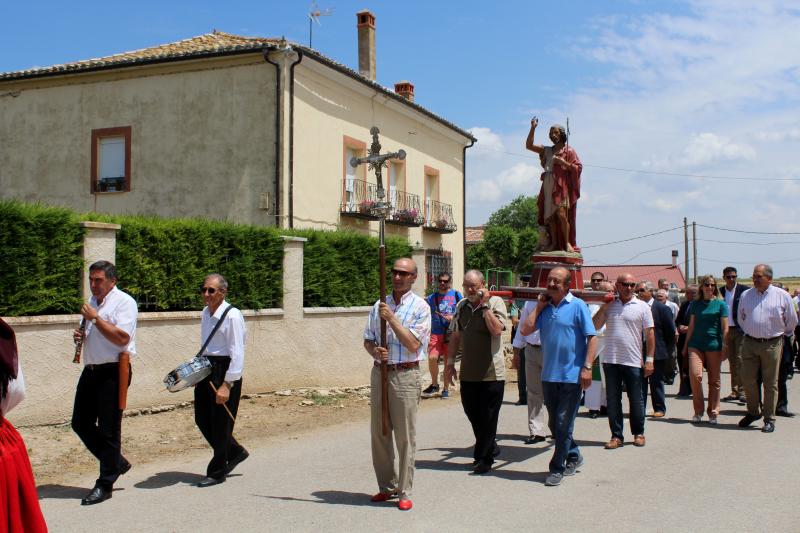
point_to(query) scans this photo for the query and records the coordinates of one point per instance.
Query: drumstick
(224, 404)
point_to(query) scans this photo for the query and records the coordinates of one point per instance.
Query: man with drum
(216, 398)
(110, 328)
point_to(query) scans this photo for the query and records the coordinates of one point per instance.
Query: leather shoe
(482, 468)
(98, 494)
(769, 427)
(534, 439)
(405, 505)
(210, 481)
(383, 496)
(124, 466)
(613, 444)
(638, 440)
(747, 420)
(784, 412)
(233, 463)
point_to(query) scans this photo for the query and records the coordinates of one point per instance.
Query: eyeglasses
(209, 290)
(444, 281)
(401, 273)
(730, 276)
(709, 284)
(597, 280)
(628, 285)
(642, 289)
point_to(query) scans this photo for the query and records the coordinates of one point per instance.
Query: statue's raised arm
(538, 148)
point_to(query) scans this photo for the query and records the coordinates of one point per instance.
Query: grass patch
(329, 399)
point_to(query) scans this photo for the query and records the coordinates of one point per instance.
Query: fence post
(99, 243)
(293, 276)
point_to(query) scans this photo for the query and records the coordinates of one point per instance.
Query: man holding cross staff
(397, 351)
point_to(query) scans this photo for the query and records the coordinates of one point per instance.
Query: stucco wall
(328, 106)
(203, 138)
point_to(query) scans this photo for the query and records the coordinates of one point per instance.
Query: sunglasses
(209, 290)
(641, 290)
(444, 281)
(730, 276)
(400, 273)
(709, 284)
(628, 285)
(596, 280)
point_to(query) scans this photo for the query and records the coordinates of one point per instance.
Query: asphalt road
(687, 478)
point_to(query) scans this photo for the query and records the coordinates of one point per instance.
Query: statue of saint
(561, 188)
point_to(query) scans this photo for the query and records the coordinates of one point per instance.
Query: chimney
(674, 258)
(405, 89)
(366, 44)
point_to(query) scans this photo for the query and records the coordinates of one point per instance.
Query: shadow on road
(335, 497)
(63, 492)
(166, 479)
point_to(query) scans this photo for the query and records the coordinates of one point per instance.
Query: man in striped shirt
(765, 315)
(408, 320)
(628, 321)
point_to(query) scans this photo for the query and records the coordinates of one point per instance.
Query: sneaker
(554, 479)
(572, 466)
(712, 420)
(445, 394)
(430, 391)
(696, 419)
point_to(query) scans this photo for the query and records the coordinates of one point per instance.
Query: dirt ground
(58, 456)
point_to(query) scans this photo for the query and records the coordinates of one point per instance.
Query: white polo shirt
(119, 309)
(626, 325)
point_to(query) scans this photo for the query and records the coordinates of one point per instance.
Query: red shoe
(405, 505)
(383, 496)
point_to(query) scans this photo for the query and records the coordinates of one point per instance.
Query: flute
(79, 342)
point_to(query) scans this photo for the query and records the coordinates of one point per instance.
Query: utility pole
(694, 249)
(686, 251)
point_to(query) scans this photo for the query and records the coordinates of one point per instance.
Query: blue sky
(665, 91)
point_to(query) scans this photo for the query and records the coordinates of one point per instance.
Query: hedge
(40, 260)
(161, 262)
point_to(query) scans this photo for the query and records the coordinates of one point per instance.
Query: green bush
(40, 254)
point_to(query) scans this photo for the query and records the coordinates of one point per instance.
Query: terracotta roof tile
(474, 234)
(650, 273)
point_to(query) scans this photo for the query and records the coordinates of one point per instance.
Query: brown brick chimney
(405, 89)
(366, 43)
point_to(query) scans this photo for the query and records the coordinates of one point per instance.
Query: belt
(534, 345)
(762, 340)
(102, 366)
(401, 366)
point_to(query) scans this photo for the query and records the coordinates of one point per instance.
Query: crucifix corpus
(377, 161)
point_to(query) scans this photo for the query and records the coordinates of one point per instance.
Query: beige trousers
(404, 397)
(537, 423)
(735, 337)
(765, 356)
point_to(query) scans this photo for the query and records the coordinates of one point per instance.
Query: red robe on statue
(567, 184)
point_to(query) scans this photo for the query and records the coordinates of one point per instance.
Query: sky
(676, 108)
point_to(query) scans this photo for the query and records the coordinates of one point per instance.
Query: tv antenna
(314, 13)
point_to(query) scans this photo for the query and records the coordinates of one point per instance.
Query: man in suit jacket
(731, 293)
(664, 329)
(682, 323)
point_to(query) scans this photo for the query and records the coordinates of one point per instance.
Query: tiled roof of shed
(208, 45)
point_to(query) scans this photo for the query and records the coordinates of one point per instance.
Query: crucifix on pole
(376, 161)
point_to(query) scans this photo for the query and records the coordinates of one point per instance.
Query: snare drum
(188, 374)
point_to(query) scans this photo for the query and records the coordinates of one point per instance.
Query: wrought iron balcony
(359, 198)
(439, 217)
(405, 210)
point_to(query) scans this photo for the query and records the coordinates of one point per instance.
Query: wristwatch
(94, 321)
(587, 366)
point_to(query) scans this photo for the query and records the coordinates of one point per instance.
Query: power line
(751, 232)
(749, 242)
(777, 261)
(653, 172)
(631, 239)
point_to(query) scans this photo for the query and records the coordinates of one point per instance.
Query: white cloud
(509, 183)
(489, 143)
(701, 151)
(777, 136)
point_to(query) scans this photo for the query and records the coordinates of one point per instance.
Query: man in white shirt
(223, 387)
(110, 322)
(532, 345)
(628, 320)
(765, 315)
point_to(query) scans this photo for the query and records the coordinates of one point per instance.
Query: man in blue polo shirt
(569, 346)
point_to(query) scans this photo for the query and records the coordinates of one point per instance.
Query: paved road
(687, 478)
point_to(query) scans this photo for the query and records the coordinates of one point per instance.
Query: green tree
(520, 213)
(509, 239)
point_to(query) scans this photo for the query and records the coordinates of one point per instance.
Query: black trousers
(482, 401)
(212, 419)
(97, 418)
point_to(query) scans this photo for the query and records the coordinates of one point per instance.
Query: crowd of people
(569, 352)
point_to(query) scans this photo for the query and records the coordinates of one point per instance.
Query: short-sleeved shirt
(414, 314)
(626, 325)
(565, 329)
(707, 333)
(442, 304)
(482, 356)
(119, 309)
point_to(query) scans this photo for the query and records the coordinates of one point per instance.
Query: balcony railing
(439, 217)
(359, 198)
(405, 210)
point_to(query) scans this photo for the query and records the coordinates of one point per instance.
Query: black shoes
(482, 468)
(98, 495)
(593, 413)
(784, 412)
(210, 482)
(748, 419)
(233, 463)
(769, 427)
(124, 466)
(534, 439)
